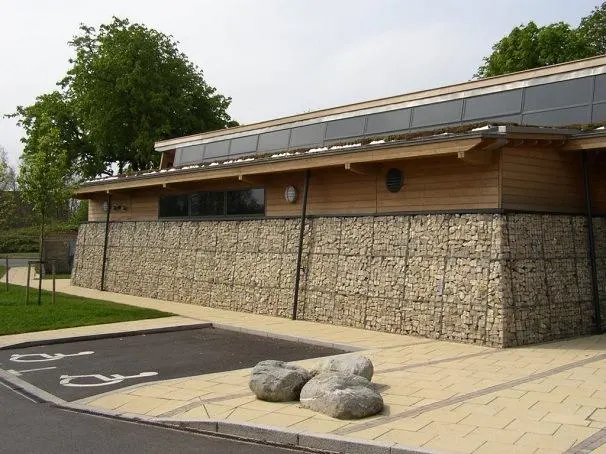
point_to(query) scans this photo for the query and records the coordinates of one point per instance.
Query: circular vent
(394, 180)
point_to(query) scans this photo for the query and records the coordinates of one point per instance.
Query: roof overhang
(475, 147)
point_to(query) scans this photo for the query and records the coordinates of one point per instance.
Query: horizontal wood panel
(541, 180)
(430, 184)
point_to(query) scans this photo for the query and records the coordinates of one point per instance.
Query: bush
(27, 239)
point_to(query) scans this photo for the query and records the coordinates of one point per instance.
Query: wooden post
(29, 269)
(7, 268)
(40, 284)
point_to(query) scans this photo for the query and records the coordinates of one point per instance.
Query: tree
(128, 86)
(530, 46)
(45, 175)
(7, 190)
(593, 29)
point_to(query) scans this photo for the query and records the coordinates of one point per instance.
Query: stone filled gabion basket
(339, 387)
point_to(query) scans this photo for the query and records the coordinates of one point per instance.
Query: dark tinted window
(207, 204)
(251, 201)
(174, 206)
(348, 127)
(503, 103)
(396, 120)
(600, 88)
(559, 117)
(189, 155)
(307, 135)
(599, 112)
(559, 94)
(243, 145)
(276, 140)
(216, 149)
(437, 114)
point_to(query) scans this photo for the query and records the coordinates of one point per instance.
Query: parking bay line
(18, 373)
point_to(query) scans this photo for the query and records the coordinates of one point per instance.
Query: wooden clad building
(470, 212)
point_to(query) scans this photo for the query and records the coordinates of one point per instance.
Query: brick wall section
(488, 279)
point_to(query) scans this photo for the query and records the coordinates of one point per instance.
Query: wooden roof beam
(254, 180)
(361, 169)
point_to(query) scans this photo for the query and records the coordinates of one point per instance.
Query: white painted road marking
(19, 372)
(66, 380)
(41, 357)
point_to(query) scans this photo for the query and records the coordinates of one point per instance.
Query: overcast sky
(277, 57)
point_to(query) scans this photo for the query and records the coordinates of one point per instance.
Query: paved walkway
(440, 396)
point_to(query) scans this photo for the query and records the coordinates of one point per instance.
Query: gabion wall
(498, 280)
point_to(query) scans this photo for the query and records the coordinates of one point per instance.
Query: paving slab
(440, 396)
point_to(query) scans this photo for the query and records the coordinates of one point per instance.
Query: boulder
(356, 365)
(276, 381)
(342, 396)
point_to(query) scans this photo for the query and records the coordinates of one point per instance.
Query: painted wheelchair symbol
(42, 357)
(103, 380)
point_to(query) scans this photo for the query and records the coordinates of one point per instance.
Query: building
(470, 213)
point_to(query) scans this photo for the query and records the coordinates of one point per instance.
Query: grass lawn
(68, 311)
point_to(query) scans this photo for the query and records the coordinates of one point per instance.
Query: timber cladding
(430, 184)
(521, 179)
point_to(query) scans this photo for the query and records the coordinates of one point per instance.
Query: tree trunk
(41, 253)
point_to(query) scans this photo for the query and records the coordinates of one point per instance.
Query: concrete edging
(85, 337)
(228, 429)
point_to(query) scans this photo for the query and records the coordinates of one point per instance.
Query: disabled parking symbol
(82, 381)
(43, 357)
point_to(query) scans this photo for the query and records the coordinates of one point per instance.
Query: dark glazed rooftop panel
(216, 149)
(559, 94)
(502, 103)
(559, 117)
(189, 155)
(307, 135)
(243, 145)
(348, 127)
(276, 140)
(437, 114)
(395, 120)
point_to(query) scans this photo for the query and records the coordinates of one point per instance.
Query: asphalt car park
(81, 369)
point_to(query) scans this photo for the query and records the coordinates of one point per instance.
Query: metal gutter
(103, 265)
(295, 302)
(591, 240)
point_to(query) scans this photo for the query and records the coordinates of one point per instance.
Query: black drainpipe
(109, 209)
(592, 261)
(295, 302)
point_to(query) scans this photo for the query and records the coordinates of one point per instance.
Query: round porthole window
(290, 194)
(394, 180)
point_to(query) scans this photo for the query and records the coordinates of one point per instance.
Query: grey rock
(276, 381)
(342, 396)
(356, 365)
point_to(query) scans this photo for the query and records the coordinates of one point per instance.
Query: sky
(276, 57)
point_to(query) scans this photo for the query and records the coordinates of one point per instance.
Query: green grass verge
(20, 255)
(68, 311)
(2, 270)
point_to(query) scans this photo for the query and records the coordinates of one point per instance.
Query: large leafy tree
(127, 87)
(530, 46)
